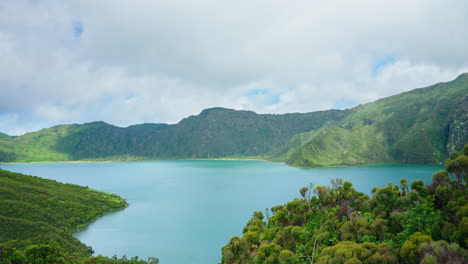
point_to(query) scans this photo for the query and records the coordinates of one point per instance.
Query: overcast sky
(128, 62)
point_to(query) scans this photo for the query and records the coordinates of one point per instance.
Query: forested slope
(39, 216)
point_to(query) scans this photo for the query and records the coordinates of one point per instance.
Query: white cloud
(160, 61)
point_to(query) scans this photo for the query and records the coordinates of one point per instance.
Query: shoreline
(221, 159)
(137, 160)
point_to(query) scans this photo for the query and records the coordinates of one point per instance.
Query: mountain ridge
(434, 119)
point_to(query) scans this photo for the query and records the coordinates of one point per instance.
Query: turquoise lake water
(185, 211)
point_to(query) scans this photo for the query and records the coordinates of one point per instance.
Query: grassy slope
(382, 131)
(36, 146)
(39, 211)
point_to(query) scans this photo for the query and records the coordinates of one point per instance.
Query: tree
(44, 254)
(384, 200)
(10, 255)
(439, 178)
(303, 191)
(422, 218)
(306, 193)
(418, 185)
(459, 167)
(267, 253)
(404, 186)
(351, 252)
(236, 251)
(258, 215)
(287, 257)
(153, 260)
(440, 252)
(408, 250)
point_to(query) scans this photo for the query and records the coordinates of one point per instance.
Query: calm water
(185, 211)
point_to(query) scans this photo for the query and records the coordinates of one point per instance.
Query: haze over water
(185, 211)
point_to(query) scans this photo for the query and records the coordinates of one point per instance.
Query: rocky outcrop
(458, 127)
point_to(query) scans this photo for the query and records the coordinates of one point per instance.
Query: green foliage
(441, 252)
(351, 252)
(38, 218)
(458, 167)
(418, 186)
(287, 257)
(440, 178)
(409, 247)
(404, 185)
(341, 225)
(237, 251)
(423, 218)
(44, 254)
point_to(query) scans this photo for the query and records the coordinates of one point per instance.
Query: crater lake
(185, 211)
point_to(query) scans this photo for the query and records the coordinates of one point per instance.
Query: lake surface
(185, 211)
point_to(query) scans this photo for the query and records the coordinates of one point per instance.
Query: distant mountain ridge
(214, 133)
(433, 120)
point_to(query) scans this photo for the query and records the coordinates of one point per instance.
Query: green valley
(432, 120)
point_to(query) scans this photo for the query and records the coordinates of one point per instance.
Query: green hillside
(408, 223)
(434, 120)
(3, 135)
(39, 216)
(215, 133)
(420, 127)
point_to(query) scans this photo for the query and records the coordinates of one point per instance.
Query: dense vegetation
(39, 216)
(410, 223)
(434, 120)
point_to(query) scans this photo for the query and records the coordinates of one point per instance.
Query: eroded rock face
(458, 127)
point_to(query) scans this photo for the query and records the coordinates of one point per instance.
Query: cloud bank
(127, 62)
